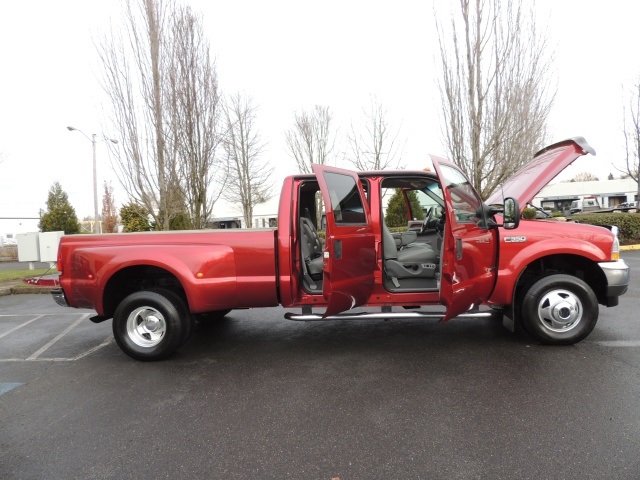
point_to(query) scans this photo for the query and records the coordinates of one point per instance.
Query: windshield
(435, 193)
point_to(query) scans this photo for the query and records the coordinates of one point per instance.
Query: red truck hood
(544, 167)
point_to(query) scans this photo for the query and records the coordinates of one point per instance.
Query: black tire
(559, 310)
(188, 320)
(210, 317)
(148, 326)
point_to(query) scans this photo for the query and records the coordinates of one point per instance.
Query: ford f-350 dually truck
(547, 276)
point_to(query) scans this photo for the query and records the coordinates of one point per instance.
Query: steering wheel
(431, 220)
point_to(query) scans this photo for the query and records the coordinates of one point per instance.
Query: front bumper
(618, 275)
(59, 297)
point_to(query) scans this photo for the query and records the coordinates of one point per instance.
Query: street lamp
(96, 223)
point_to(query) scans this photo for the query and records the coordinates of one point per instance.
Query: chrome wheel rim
(146, 327)
(560, 311)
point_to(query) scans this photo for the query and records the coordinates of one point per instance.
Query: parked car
(587, 204)
(626, 206)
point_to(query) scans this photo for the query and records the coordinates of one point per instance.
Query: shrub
(529, 213)
(135, 218)
(8, 253)
(628, 223)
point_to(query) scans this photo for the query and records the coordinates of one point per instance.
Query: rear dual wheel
(559, 310)
(151, 324)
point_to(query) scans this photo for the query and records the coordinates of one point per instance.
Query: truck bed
(216, 269)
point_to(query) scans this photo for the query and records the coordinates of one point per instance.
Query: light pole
(96, 222)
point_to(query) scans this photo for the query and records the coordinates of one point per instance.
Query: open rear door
(349, 254)
(469, 249)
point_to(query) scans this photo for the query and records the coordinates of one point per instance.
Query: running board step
(311, 317)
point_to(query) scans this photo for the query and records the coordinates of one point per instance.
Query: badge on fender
(515, 239)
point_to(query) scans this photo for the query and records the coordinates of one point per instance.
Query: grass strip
(8, 275)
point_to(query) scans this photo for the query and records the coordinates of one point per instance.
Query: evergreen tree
(60, 215)
(180, 221)
(397, 215)
(416, 208)
(135, 218)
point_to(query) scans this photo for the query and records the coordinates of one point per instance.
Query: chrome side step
(311, 317)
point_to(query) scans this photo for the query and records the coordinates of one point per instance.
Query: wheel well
(136, 278)
(580, 267)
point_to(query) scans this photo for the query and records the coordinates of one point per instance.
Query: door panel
(469, 255)
(349, 255)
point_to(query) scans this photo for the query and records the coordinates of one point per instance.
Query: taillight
(59, 260)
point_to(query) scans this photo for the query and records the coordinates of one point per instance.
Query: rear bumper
(59, 297)
(618, 275)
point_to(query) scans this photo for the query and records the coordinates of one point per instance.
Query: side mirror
(511, 213)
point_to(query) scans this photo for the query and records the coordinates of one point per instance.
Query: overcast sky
(287, 56)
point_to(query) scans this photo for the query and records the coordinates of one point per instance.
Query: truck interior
(311, 245)
(311, 219)
(411, 253)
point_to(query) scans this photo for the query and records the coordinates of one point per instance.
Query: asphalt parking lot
(255, 396)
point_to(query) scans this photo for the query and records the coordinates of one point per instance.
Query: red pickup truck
(548, 276)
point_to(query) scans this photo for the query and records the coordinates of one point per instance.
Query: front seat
(311, 249)
(416, 260)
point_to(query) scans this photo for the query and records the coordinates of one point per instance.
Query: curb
(629, 247)
(19, 288)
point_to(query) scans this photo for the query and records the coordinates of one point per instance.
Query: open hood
(544, 167)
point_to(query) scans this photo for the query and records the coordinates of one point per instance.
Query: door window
(465, 202)
(345, 199)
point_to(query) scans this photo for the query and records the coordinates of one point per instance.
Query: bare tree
(163, 89)
(109, 210)
(584, 177)
(495, 97)
(311, 139)
(631, 130)
(375, 145)
(135, 63)
(249, 179)
(194, 113)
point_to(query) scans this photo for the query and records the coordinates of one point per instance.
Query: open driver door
(349, 252)
(469, 253)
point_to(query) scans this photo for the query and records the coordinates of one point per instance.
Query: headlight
(615, 248)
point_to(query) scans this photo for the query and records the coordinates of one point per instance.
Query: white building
(609, 193)
(11, 226)
(265, 215)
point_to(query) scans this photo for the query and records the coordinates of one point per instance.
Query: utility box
(49, 242)
(28, 247)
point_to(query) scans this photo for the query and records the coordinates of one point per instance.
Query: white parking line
(54, 340)
(106, 342)
(18, 327)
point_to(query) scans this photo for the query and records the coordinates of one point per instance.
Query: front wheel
(559, 310)
(147, 325)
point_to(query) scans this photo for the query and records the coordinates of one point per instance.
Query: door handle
(337, 249)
